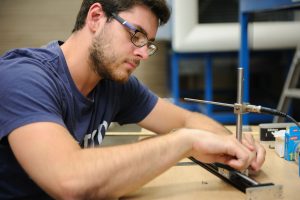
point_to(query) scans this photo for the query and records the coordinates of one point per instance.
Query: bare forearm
(200, 121)
(115, 171)
(58, 165)
(167, 116)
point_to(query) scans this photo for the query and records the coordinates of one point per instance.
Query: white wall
(190, 36)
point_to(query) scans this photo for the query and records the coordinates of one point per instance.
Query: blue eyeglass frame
(135, 30)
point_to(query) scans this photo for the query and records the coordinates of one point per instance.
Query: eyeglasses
(138, 38)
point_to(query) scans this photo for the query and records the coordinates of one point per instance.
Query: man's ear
(95, 17)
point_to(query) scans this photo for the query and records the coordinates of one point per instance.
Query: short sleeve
(27, 95)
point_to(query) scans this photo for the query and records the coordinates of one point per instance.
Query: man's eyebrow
(139, 28)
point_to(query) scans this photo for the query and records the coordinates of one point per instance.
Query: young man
(58, 99)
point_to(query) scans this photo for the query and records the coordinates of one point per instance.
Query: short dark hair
(158, 7)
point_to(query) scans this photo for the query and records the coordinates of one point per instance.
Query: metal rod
(239, 122)
(209, 102)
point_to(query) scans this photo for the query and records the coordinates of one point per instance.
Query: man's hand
(209, 147)
(165, 117)
(257, 149)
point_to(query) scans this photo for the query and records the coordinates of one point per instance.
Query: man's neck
(76, 52)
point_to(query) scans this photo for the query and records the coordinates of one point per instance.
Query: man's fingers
(241, 156)
(249, 141)
(225, 149)
(260, 157)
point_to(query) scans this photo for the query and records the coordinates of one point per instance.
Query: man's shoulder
(29, 54)
(24, 61)
(46, 53)
(27, 70)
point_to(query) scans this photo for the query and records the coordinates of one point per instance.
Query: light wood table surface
(189, 181)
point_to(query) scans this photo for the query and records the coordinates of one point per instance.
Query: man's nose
(142, 52)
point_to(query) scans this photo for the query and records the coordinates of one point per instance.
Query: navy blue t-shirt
(36, 86)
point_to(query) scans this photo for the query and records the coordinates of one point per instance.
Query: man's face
(112, 54)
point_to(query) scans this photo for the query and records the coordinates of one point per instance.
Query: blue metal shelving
(248, 7)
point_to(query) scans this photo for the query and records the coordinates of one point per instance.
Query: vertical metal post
(240, 89)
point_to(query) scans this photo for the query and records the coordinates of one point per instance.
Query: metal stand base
(245, 184)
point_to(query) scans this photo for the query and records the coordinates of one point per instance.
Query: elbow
(80, 190)
(66, 187)
(68, 190)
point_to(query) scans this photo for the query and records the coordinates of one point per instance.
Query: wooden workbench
(189, 181)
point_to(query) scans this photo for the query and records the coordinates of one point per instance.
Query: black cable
(278, 113)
